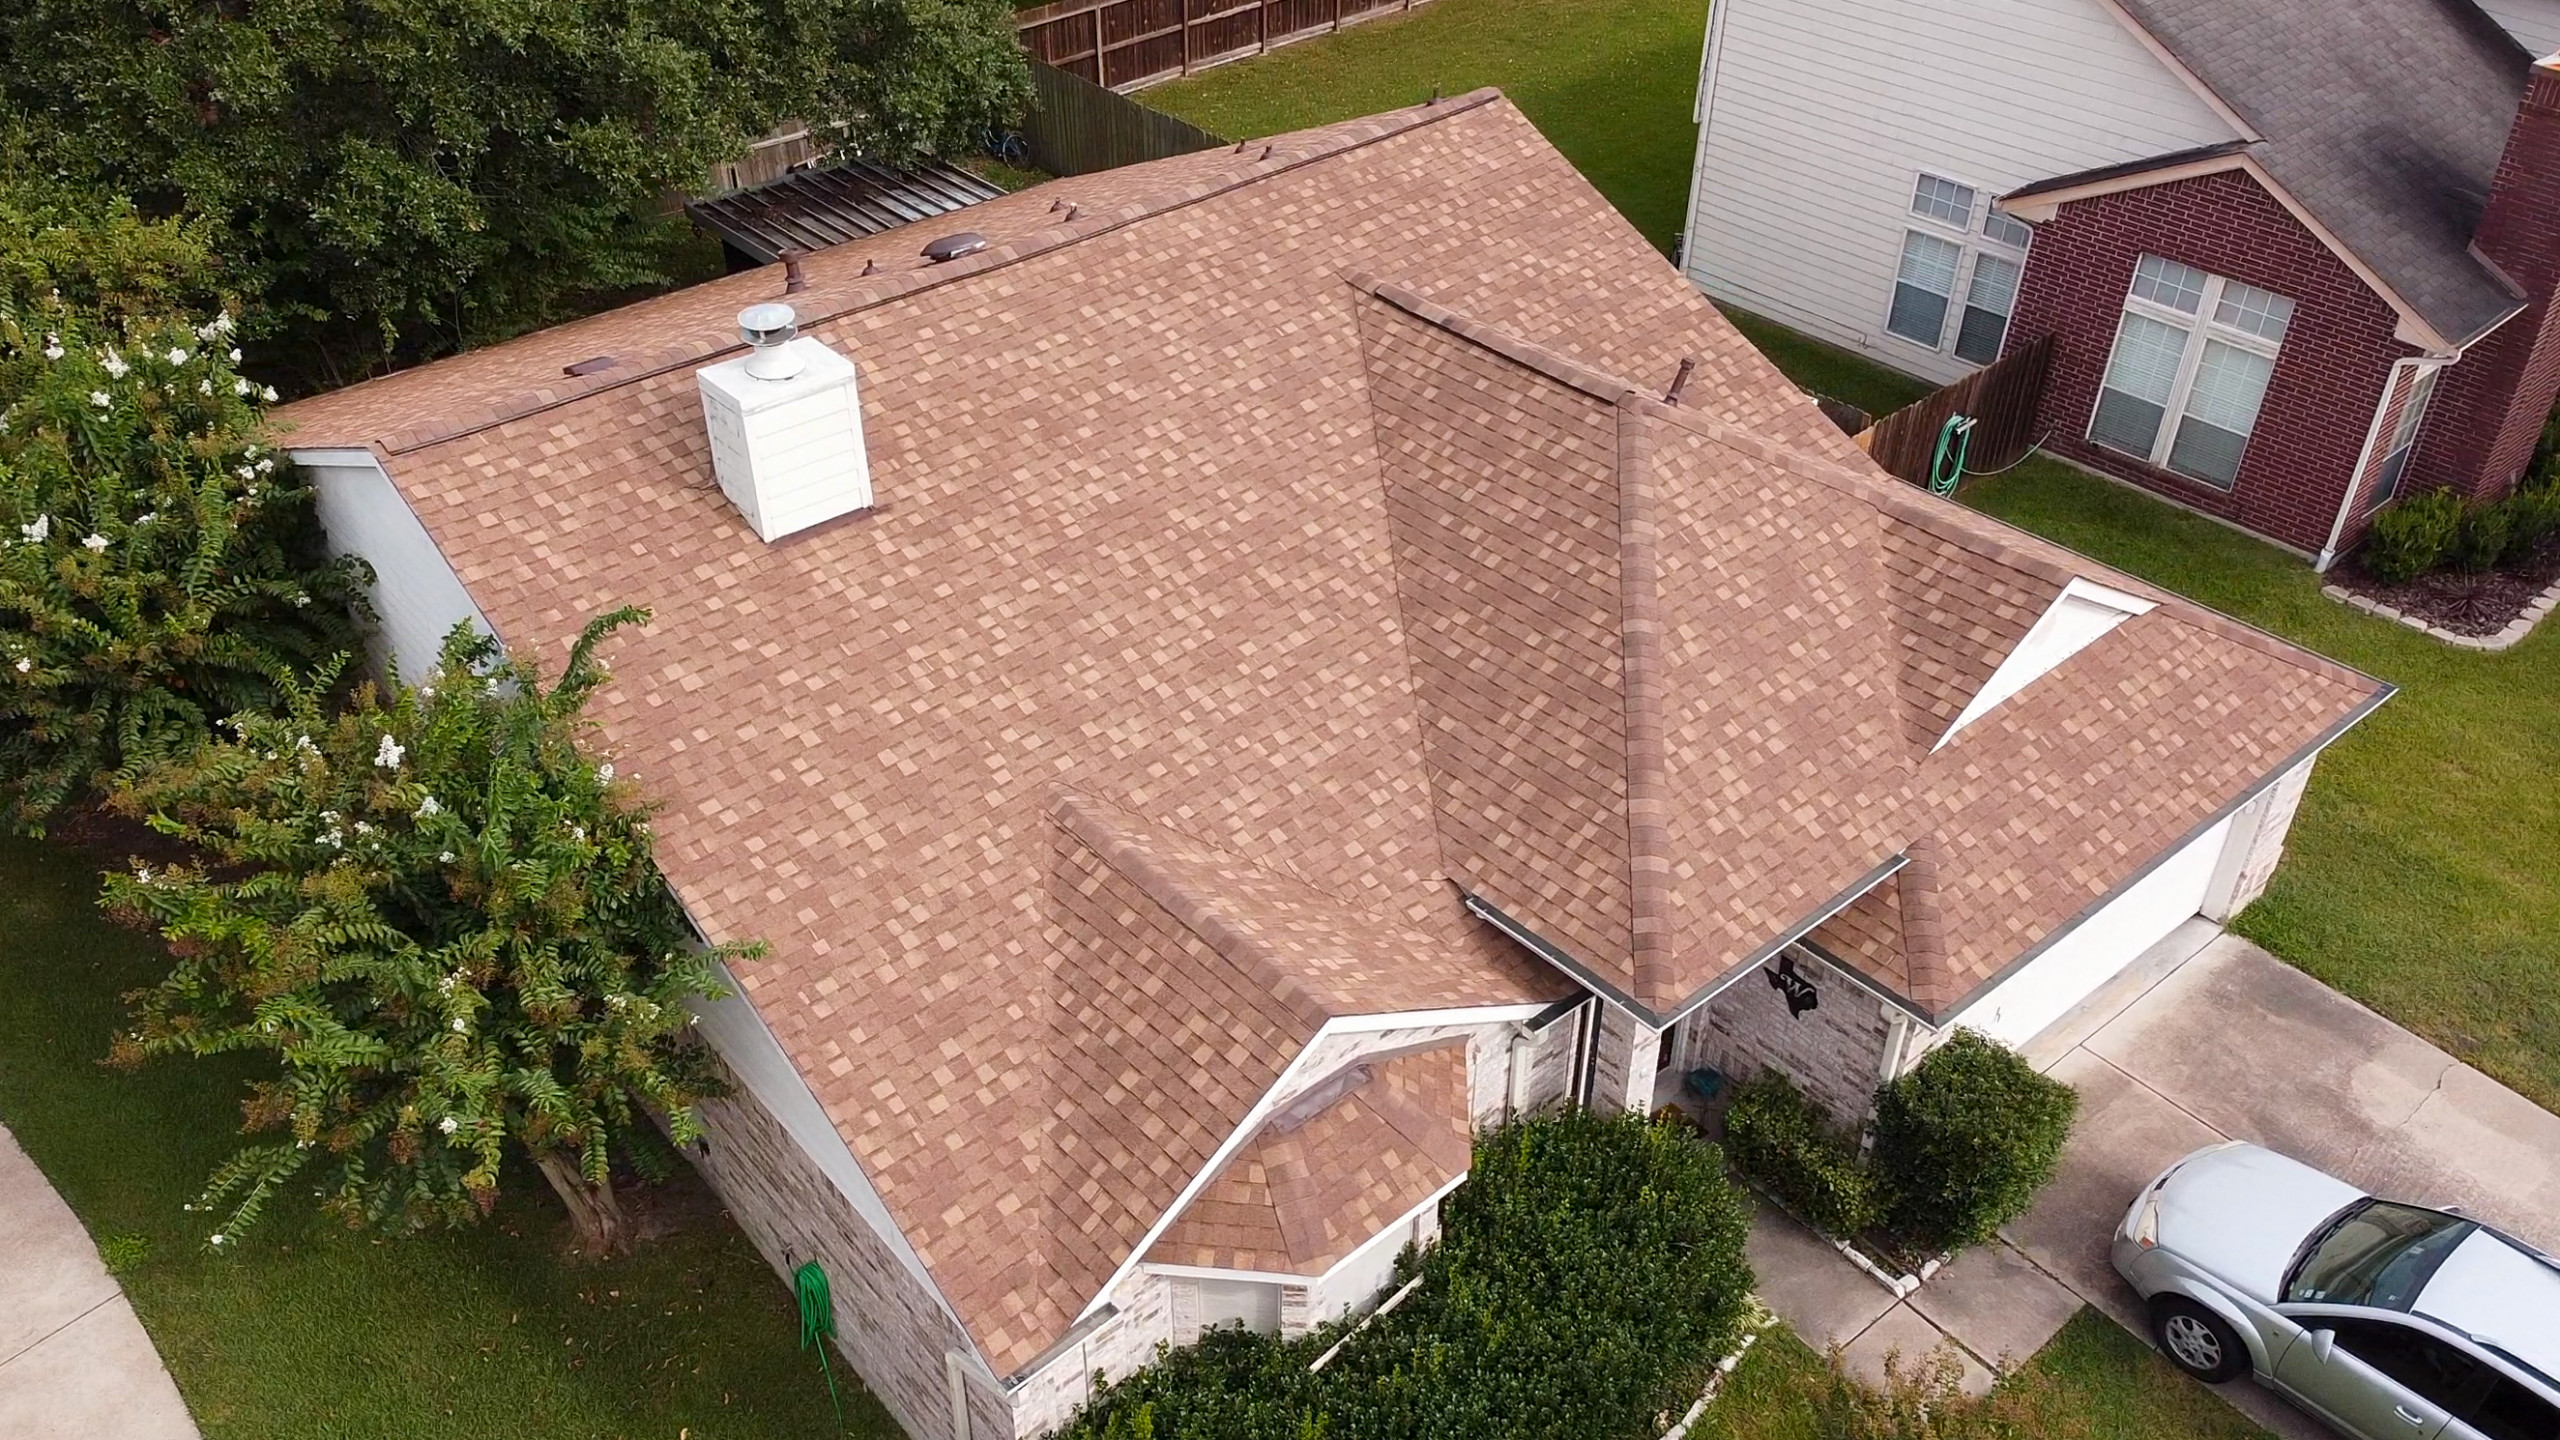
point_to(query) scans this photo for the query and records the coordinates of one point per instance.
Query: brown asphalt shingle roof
(1298, 1199)
(1221, 618)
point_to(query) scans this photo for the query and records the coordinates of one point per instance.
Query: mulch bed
(2463, 604)
(112, 838)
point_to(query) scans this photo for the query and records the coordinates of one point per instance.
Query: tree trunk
(593, 1209)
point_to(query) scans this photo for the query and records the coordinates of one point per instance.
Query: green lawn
(314, 1331)
(2106, 1380)
(1609, 81)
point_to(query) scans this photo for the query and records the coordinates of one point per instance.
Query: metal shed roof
(813, 209)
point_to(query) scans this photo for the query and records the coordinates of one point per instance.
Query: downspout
(2372, 436)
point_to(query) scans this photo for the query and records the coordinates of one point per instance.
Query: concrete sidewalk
(74, 1362)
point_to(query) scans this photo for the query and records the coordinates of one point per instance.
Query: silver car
(2390, 1321)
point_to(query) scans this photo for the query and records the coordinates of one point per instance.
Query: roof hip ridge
(1351, 135)
(1092, 822)
(1652, 938)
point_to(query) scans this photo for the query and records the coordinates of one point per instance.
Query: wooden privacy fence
(1124, 44)
(2001, 397)
(1076, 127)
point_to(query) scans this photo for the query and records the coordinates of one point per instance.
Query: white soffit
(2082, 613)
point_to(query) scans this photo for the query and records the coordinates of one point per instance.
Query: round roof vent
(952, 247)
(769, 328)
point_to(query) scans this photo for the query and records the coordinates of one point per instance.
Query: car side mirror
(2323, 1342)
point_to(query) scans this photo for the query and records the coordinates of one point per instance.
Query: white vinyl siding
(1811, 144)
(417, 597)
(2192, 358)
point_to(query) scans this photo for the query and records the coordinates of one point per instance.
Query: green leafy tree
(92, 253)
(400, 180)
(160, 565)
(440, 917)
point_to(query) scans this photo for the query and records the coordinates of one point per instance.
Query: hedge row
(1961, 1146)
(1588, 1274)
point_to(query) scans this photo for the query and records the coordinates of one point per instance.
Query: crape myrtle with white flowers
(160, 563)
(440, 917)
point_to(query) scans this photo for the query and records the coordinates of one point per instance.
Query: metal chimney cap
(768, 324)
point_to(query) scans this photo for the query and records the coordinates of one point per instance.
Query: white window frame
(2403, 439)
(1973, 241)
(2199, 328)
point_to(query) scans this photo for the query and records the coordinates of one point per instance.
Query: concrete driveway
(2210, 1038)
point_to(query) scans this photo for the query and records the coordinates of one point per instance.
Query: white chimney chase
(785, 423)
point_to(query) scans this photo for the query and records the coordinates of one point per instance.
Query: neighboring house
(1236, 681)
(2295, 255)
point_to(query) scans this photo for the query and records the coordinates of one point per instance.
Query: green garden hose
(818, 1325)
(1955, 445)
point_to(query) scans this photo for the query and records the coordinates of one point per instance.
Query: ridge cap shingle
(1652, 939)
(1341, 138)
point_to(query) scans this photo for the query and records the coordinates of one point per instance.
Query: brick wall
(1832, 1052)
(2495, 401)
(2328, 379)
(892, 1331)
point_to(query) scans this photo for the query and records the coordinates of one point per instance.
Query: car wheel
(2196, 1340)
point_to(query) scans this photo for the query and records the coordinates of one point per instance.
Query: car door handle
(2405, 1413)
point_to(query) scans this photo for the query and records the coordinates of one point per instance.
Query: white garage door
(2088, 957)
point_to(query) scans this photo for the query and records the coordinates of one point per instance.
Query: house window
(1252, 1304)
(2193, 355)
(1983, 268)
(1944, 201)
(1924, 287)
(1987, 303)
(2404, 435)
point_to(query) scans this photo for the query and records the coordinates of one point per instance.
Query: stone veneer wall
(1832, 1052)
(1622, 1064)
(2260, 845)
(1548, 1059)
(1152, 1310)
(894, 1333)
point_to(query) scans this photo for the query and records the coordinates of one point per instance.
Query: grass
(1825, 369)
(2107, 1381)
(310, 1330)
(2420, 877)
(1609, 82)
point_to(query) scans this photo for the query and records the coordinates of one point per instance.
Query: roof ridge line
(1357, 135)
(1924, 929)
(1650, 942)
(1090, 821)
(1555, 365)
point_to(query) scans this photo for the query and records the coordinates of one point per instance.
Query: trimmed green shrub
(2532, 515)
(2480, 539)
(1964, 1141)
(1779, 1137)
(1588, 1275)
(2412, 537)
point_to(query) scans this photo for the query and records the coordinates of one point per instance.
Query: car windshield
(2378, 1254)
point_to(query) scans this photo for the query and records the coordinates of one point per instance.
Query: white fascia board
(1208, 1272)
(1417, 1019)
(1263, 1108)
(736, 1031)
(2410, 328)
(2169, 61)
(2078, 618)
(1217, 1161)
(331, 455)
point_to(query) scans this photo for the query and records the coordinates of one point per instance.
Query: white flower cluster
(53, 347)
(604, 772)
(114, 364)
(428, 809)
(387, 755)
(215, 328)
(97, 543)
(448, 1125)
(38, 529)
